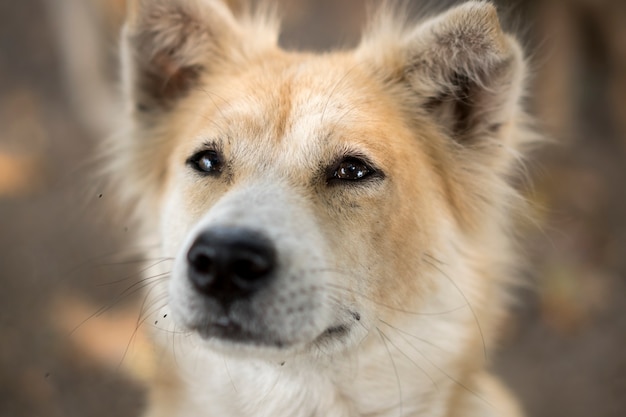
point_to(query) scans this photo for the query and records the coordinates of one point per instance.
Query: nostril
(201, 258)
(251, 267)
(202, 263)
(202, 266)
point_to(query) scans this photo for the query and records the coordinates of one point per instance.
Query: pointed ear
(461, 69)
(169, 45)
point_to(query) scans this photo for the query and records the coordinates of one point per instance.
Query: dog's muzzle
(246, 277)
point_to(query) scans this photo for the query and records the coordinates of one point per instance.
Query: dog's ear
(460, 68)
(169, 45)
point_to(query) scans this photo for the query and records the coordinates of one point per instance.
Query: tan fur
(415, 263)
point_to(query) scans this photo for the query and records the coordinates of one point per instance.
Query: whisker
(456, 381)
(411, 335)
(411, 359)
(89, 262)
(365, 297)
(414, 313)
(395, 369)
(175, 356)
(135, 261)
(138, 286)
(469, 305)
(141, 271)
(141, 319)
(229, 375)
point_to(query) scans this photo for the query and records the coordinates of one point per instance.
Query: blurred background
(69, 299)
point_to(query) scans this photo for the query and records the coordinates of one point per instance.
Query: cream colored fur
(414, 263)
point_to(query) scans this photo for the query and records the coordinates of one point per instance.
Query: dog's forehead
(305, 105)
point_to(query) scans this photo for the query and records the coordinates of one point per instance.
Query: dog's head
(307, 198)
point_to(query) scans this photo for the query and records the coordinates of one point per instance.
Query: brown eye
(206, 162)
(352, 169)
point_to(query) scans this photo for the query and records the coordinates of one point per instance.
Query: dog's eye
(206, 162)
(351, 169)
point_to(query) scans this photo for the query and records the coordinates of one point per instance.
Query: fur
(389, 291)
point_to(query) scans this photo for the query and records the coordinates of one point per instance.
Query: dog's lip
(334, 332)
(340, 329)
(228, 330)
(222, 325)
(225, 329)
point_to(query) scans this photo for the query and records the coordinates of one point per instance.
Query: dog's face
(306, 198)
(299, 204)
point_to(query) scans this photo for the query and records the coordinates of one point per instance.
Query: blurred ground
(62, 258)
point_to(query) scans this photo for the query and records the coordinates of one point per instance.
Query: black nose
(230, 263)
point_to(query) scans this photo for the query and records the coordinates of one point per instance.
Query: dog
(340, 226)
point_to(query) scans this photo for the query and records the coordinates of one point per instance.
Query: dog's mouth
(227, 330)
(334, 332)
(339, 331)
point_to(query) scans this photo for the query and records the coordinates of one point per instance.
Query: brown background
(68, 296)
